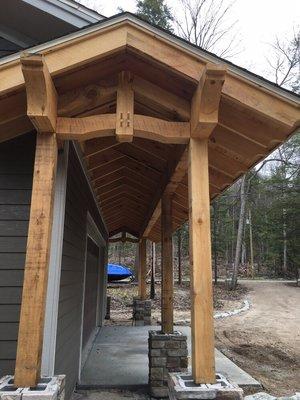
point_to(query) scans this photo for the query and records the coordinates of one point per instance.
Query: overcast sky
(259, 22)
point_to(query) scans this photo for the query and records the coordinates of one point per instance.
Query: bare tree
(239, 238)
(285, 61)
(206, 23)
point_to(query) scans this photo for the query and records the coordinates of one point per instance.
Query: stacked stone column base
(167, 353)
(141, 312)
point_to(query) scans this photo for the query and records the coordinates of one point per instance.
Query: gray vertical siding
(16, 171)
(78, 202)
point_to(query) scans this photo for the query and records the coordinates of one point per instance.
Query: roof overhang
(255, 115)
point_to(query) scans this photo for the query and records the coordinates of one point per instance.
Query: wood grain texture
(143, 269)
(36, 265)
(40, 91)
(203, 359)
(167, 317)
(125, 108)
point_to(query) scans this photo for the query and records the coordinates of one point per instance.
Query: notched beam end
(40, 91)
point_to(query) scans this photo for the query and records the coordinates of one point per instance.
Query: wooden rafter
(171, 187)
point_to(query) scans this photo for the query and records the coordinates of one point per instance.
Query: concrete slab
(119, 358)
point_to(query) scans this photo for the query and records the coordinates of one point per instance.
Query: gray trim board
(51, 313)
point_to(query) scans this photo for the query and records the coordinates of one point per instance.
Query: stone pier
(167, 353)
(141, 312)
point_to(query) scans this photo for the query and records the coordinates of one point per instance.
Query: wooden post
(203, 358)
(166, 265)
(143, 269)
(31, 328)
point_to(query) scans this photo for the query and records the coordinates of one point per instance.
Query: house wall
(16, 171)
(79, 202)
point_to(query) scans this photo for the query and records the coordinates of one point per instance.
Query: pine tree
(156, 12)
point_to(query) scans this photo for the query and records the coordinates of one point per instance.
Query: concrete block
(182, 387)
(48, 388)
(7, 389)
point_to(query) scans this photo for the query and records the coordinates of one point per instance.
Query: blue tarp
(117, 272)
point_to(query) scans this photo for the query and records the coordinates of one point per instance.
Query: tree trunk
(284, 267)
(153, 261)
(239, 234)
(251, 246)
(179, 256)
(215, 208)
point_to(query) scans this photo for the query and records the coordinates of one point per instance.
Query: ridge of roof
(130, 16)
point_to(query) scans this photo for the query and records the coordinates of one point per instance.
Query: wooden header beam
(105, 125)
(41, 93)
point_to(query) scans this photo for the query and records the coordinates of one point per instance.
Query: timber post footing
(48, 388)
(141, 312)
(167, 353)
(181, 386)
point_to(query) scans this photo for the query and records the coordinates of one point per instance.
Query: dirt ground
(264, 341)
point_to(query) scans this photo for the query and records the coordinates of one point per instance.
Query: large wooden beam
(125, 108)
(203, 359)
(41, 93)
(31, 328)
(161, 130)
(104, 125)
(206, 100)
(143, 269)
(166, 265)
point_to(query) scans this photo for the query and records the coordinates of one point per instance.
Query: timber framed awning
(133, 95)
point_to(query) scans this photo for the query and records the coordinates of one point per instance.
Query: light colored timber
(150, 93)
(125, 108)
(41, 93)
(104, 125)
(86, 128)
(80, 51)
(78, 101)
(167, 317)
(203, 359)
(171, 188)
(142, 269)
(123, 238)
(30, 338)
(206, 100)
(161, 130)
